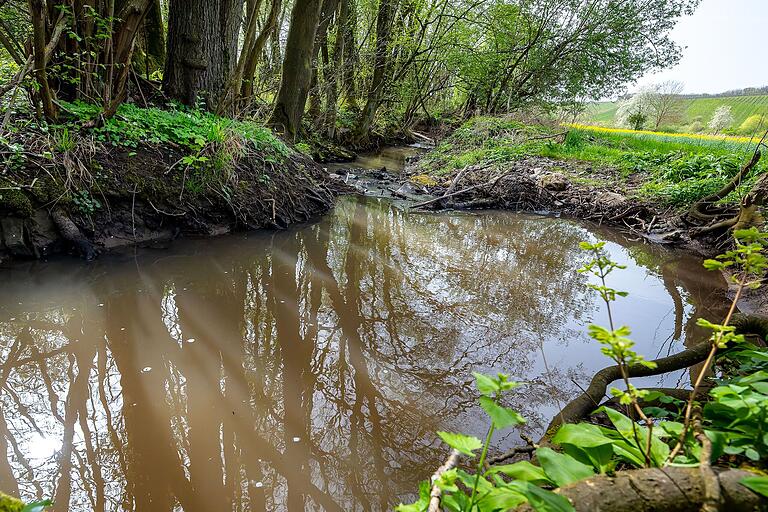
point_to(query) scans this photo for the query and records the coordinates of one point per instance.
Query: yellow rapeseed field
(693, 136)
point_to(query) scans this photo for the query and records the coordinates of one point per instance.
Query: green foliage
(85, 203)
(461, 443)
(191, 129)
(637, 120)
(670, 171)
(739, 412)
(10, 504)
(695, 111)
(758, 484)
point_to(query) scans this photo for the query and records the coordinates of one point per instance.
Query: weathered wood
(668, 489)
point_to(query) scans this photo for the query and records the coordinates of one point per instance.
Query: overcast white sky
(726, 42)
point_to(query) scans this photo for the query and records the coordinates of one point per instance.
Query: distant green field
(700, 109)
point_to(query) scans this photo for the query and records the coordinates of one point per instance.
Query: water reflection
(305, 370)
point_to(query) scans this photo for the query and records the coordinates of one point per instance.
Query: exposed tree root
(72, 234)
(669, 490)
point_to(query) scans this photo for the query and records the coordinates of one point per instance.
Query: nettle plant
(734, 419)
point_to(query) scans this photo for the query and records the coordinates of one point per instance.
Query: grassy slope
(603, 113)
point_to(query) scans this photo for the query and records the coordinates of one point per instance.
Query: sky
(723, 47)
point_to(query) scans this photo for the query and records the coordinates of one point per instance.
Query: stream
(309, 369)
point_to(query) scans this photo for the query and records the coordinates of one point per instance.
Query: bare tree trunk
(380, 63)
(297, 68)
(348, 22)
(332, 94)
(46, 94)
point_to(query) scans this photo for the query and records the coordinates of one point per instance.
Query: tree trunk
(130, 19)
(154, 35)
(202, 48)
(297, 68)
(380, 63)
(252, 60)
(46, 94)
(348, 22)
(332, 95)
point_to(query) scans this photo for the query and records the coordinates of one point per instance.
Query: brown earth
(94, 199)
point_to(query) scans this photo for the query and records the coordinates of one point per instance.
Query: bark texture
(384, 20)
(202, 48)
(668, 490)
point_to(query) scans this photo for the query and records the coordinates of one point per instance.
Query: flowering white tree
(721, 119)
(634, 112)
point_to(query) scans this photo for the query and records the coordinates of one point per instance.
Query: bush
(754, 124)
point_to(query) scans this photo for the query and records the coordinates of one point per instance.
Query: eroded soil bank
(92, 198)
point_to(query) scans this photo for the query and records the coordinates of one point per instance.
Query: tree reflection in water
(304, 370)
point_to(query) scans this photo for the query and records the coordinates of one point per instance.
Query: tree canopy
(355, 65)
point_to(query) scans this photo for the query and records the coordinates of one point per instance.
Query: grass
(694, 109)
(673, 170)
(191, 129)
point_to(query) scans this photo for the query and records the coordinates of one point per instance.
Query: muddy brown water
(309, 369)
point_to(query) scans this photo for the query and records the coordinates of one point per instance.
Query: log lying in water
(669, 489)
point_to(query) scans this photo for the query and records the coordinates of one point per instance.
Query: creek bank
(94, 197)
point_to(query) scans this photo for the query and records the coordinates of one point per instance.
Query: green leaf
(758, 484)
(547, 501)
(502, 498)
(37, 506)
(624, 425)
(486, 385)
(587, 444)
(562, 469)
(524, 471)
(502, 417)
(464, 444)
(420, 506)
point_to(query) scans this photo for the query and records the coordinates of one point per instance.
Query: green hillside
(700, 109)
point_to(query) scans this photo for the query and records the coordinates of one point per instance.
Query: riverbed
(309, 369)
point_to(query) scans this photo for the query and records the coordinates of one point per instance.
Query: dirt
(86, 201)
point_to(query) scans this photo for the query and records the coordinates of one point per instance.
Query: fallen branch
(699, 209)
(670, 489)
(462, 191)
(450, 463)
(580, 407)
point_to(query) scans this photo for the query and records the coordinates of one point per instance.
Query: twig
(705, 366)
(511, 453)
(712, 494)
(158, 210)
(450, 463)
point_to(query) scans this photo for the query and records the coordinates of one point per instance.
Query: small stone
(554, 182)
(609, 200)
